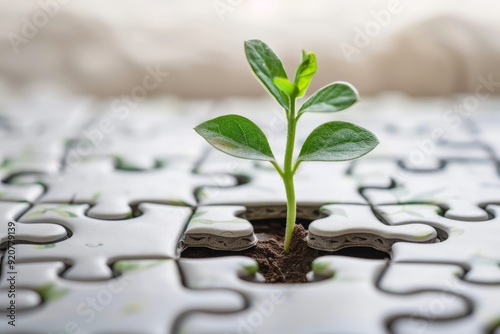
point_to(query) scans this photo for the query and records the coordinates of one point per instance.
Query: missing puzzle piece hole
(275, 265)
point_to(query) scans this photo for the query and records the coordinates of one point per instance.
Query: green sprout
(332, 141)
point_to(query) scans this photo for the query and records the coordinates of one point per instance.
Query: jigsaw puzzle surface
(97, 205)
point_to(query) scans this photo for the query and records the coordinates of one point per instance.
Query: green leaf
(266, 66)
(337, 141)
(237, 136)
(305, 72)
(286, 86)
(334, 97)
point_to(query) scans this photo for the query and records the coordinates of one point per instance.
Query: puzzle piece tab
(217, 227)
(95, 243)
(348, 302)
(147, 298)
(11, 230)
(357, 225)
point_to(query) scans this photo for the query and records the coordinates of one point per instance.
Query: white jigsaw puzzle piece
(405, 277)
(36, 141)
(219, 228)
(474, 243)
(95, 243)
(479, 184)
(19, 192)
(142, 137)
(423, 137)
(12, 298)
(357, 225)
(13, 231)
(147, 298)
(113, 191)
(332, 305)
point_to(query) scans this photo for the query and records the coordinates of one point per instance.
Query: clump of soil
(274, 264)
(280, 267)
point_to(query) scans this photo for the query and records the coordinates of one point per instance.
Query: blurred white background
(105, 47)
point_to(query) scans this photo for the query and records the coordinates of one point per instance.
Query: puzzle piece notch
(147, 298)
(219, 228)
(474, 243)
(16, 232)
(96, 243)
(112, 192)
(283, 308)
(356, 225)
(484, 313)
(464, 200)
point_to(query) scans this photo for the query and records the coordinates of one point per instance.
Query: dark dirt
(280, 267)
(274, 264)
